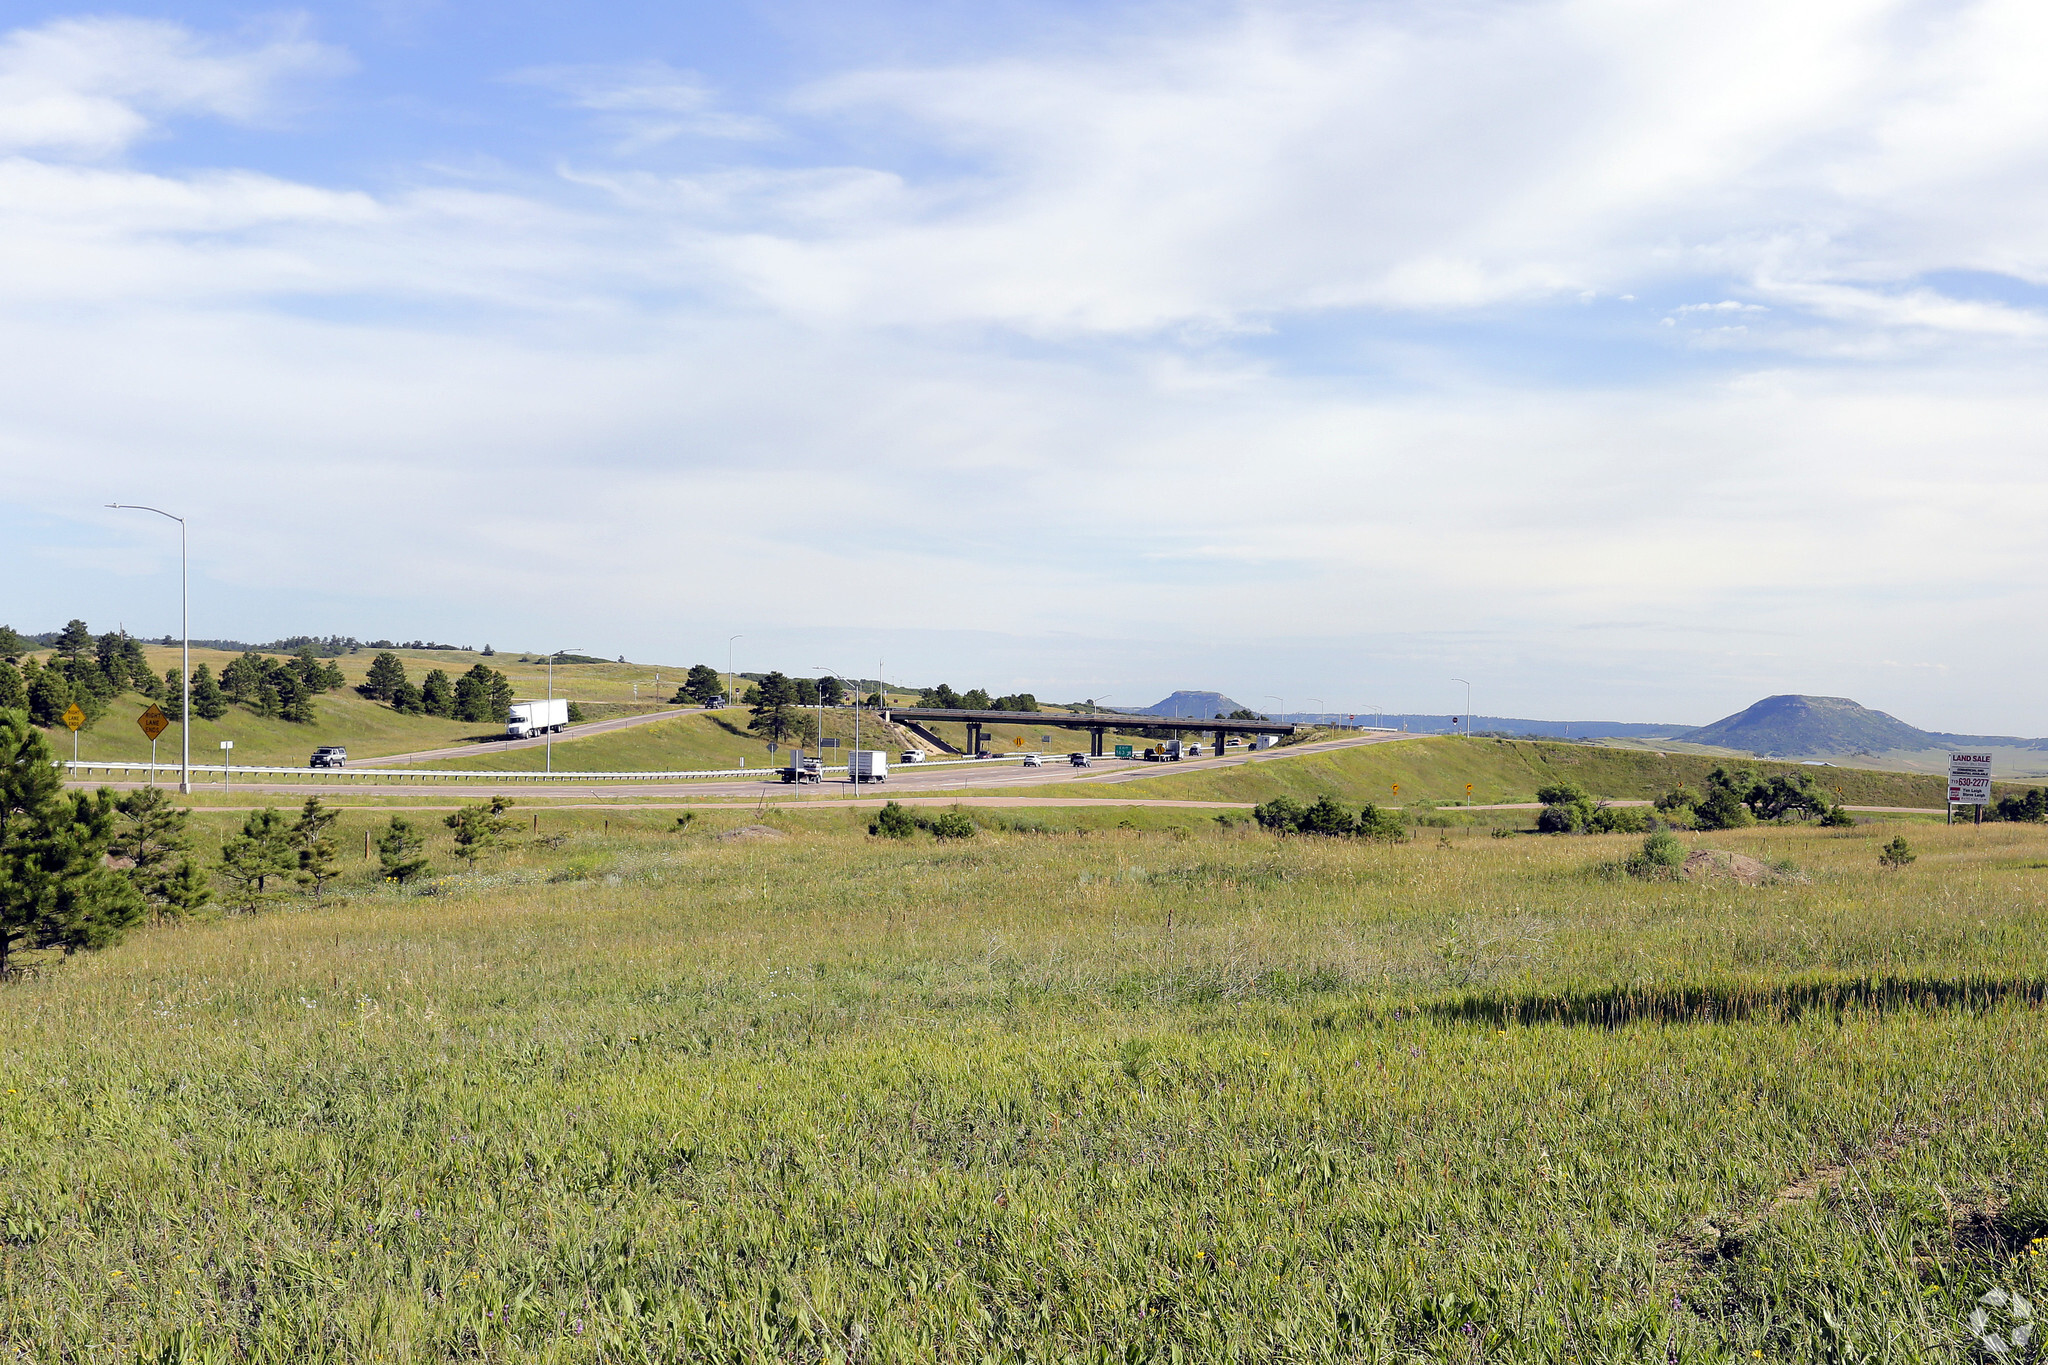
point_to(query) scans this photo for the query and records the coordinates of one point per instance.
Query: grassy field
(1191, 1093)
(700, 739)
(1438, 769)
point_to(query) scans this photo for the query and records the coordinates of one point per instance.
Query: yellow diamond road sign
(153, 721)
(74, 717)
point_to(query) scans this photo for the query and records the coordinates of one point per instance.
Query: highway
(499, 746)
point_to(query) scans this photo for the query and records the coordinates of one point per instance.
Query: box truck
(531, 718)
(867, 765)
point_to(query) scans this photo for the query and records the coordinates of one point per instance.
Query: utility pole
(184, 624)
(731, 697)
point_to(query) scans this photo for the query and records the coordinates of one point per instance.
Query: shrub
(952, 825)
(1374, 823)
(1661, 855)
(1558, 819)
(1619, 820)
(1896, 854)
(1722, 809)
(1326, 817)
(1838, 817)
(893, 822)
(1282, 815)
(1567, 807)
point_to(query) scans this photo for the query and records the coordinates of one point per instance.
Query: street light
(1468, 706)
(823, 674)
(731, 696)
(551, 709)
(1319, 702)
(184, 624)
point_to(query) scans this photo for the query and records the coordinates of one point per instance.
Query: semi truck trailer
(530, 718)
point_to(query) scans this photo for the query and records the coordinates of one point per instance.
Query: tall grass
(1115, 1095)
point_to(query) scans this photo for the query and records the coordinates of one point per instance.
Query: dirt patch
(747, 833)
(1707, 864)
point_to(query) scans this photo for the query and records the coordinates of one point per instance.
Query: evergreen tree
(76, 641)
(804, 691)
(401, 851)
(480, 828)
(106, 653)
(330, 677)
(483, 694)
(702, 686)
(208, 701)
(55, 892)
(12, 646)
(501, 695)
(893, 822)
(268, 703)
(171, 698)
(295, 700)
(49, 693)
(242, 680)
(318, 859)
(437, 694)
(831, 691)
(186, 892)
(135, 663)
(387, 675)
(773, 714)
(150, 832)
(13, 692)
(249, 860)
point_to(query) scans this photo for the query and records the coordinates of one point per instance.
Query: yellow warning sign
(74, 717)
(153, 721)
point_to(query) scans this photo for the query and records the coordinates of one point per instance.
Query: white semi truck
(867, 765)
(530, 718)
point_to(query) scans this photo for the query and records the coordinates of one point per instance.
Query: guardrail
(84, 769)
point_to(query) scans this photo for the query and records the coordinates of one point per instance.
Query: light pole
(185, 625)
(731, 697)
(551, 708)
(1319, 702)
(1468, 706)
(1282, 700)
(825, 672)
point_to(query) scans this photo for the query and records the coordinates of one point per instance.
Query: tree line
(482, 694)
(975, 699)
(91, 671)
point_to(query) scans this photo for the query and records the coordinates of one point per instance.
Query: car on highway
(1033, 761)
(912, 756)
(1078, 760)
(328, 756)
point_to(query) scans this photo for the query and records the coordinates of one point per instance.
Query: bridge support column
(973, 738)
(1095, 742)
(1219, 743)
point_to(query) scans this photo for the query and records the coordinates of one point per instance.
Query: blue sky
(1634, 360)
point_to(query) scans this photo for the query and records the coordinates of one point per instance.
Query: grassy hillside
(647, 1095)
(1437, 769)
(1065, 739)
(698, 739)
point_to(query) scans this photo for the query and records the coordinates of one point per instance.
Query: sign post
(227, 763)
(1969, 783)
(74, 718)
(153, 723)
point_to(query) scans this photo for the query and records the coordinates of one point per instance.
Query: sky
(1629, 361)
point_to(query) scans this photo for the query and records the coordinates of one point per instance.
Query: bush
(1620, 820)
(1838, 817)
(893, 822)
(1558, 820)
(1567, 808)
(1896, 854)
(1374, 823)
(1722, 809)
(1661, 856)
(1282, 815)
(951, 825)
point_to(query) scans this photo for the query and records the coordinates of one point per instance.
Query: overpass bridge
(1097, 723)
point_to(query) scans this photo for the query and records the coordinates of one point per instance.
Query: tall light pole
(1282, 708)
(185, 625)
(1468, 706)
(551, 709)
(731, 697)
(826, 672)
(1319, 702)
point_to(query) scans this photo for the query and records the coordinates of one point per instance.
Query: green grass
(702, 739)
(1499, 770)
(1192, 1094)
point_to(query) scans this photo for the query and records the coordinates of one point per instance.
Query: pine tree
(151, 834)
(773, 716)
(76, 641)
(208, 701)
(268, 703)
(49, 692)
(249, 860)
(437, 694)
(480, 828)
(387, 675)
(401, 850)
(501, 695)
(12, 646)
(186, 891)
(330, 677)
(13, 692)
(702, 686)
(54, 890)
(318, 860)
(135, 663)
(242, 680)
(172, 697)
(295, 701)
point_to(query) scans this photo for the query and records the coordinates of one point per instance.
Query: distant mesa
(1795, 726)
(1201, 705)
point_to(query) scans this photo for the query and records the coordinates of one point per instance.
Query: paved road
(499, 746)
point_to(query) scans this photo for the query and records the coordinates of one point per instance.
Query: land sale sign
(1969, 779)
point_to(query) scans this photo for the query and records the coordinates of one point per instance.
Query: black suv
(329, 756)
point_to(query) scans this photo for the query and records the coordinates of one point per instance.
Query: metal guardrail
(84, 769)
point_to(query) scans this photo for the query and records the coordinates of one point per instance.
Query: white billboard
(1969, 779)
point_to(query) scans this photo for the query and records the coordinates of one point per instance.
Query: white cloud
(645, 104)
(92, 87)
